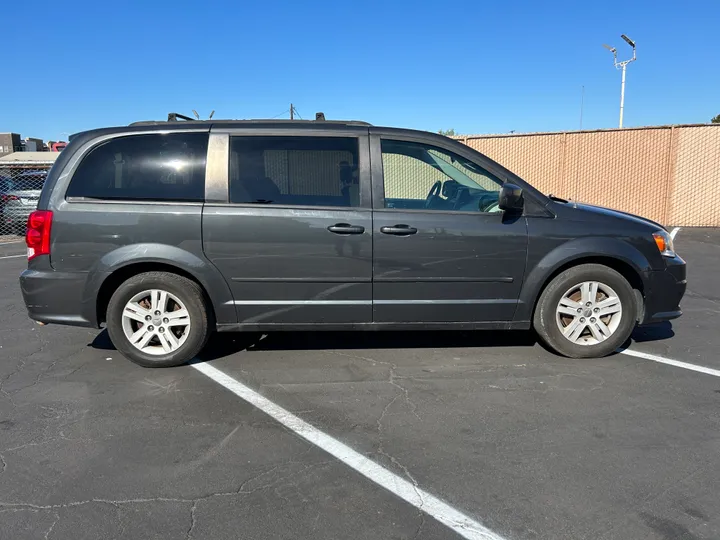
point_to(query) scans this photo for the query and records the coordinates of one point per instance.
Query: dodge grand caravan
(168, 231)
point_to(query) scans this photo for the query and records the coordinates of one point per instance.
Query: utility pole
(292, 111)
(622, 65)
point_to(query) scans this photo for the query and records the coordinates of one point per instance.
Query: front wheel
(158, 319)
(587, 311)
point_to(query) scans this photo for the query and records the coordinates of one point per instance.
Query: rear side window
(302, 171)
(162, 167)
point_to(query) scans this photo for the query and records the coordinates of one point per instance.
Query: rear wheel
(158, 319)
(587, 311)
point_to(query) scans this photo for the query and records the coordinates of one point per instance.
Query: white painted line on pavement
(407, 491)
(671, 362)
(674, 232)
(14, 256)
(13, 242)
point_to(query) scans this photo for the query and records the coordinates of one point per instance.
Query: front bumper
(57, 297)
(663, 291)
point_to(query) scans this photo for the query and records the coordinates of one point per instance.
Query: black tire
(546, 325)
(187, 291)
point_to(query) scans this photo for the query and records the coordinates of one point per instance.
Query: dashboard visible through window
(419, 176)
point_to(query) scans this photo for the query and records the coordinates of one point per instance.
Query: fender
(575, 250)
(200, 268)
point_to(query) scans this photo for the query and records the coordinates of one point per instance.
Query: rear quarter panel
(98, 238)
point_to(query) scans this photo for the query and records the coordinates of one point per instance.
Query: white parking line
(671, 362)
(14, 256)
(674, 232)
(13, 242)
(407, 491)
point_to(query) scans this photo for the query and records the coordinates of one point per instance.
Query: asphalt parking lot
(528, 444)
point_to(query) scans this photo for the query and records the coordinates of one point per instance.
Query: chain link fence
(20, 186)
(670, 174)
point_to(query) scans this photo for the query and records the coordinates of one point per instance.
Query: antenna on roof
(197, 116)
(320, 117)
(211, 114)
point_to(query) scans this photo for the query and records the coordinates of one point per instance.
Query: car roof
(260, 125)
(247, 123)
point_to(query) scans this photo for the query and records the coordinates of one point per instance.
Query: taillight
(6, 198)
(37, 237)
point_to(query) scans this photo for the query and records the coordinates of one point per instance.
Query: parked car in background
(19, 196)
(167, 231)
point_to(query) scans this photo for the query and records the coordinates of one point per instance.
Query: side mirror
(511, 198)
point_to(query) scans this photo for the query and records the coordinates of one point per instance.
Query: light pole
(622, 65)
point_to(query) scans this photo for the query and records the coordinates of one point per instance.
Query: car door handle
(346, 228)
(399, 230)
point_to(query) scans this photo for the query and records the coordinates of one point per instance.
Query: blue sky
(475, 66)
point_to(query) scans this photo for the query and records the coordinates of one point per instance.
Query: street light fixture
(628, 40)
(622, 65)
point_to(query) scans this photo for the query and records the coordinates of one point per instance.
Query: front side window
(419, 176)
(298, 171)
(156, 167)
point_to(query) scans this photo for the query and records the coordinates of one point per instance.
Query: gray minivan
(167, 231)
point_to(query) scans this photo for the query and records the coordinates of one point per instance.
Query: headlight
(664, 243)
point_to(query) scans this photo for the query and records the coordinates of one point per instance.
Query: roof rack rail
(174, 117)
(177, 117)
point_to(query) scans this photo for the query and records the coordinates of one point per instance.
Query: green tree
(447, 132)
(716, 120)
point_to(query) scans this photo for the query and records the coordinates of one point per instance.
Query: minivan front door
(294, 236)
(443, 250)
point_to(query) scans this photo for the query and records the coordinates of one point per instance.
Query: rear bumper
(663, 292)
(57, 297)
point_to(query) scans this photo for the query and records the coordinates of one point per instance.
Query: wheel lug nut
(588, 304)
(151, 328)
(592, 319)
(596, 309)
(166, 320)
(579, 310)
(582, 319)
(161, 329)
(158, 313)
(148, 317)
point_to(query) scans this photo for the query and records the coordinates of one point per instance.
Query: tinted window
(158, 167)
(311, 171)
(420, 176)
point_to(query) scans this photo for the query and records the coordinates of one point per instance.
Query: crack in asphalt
(193, 508)
(5, 379)
(23, 363)
(193, 502)
(47, 533)
(41, 439)
(392, 379)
